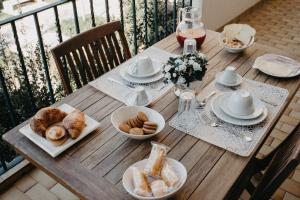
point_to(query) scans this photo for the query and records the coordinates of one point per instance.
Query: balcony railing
(16, 106)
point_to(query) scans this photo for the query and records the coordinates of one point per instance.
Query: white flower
(167, 68)
(192, 57)
(181, 68)
(201, 55)
(167, 75)
(176, 69)
(178, 61)
(197, 67)
(174, 75)
(191, 62)
(181, 80)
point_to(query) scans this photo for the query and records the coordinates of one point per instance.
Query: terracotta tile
(265, 150)
(295, 114)
(287, 128)
(275, 143)
(14, 194)
(42, 178)
(25, 183)
(291, 187)
(39, 192)
(278, 195)
(279, 134)
(289, 196)
(296, 176)
(62, 193)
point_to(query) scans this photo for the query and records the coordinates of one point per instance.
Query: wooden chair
(90, 54)
(277, 165)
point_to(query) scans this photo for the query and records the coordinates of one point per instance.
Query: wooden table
(93, 168)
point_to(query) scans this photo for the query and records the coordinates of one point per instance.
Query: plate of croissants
(155, 178)
(56, 129)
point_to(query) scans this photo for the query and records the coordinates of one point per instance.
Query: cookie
(149, 131)
(136, 131)
(130, 123)
(150, 127)
(152, 124)
(124, 127)
(138, 122)
(142, 117)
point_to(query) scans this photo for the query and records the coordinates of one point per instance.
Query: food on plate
(136, 131)
(138, 125)
(56, 134)
(156, 159)
(169, 176)
(140, 183)
(44, 118)
(159, 188)
(233, 43)
(74, 123)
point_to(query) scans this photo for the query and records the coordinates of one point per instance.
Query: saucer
(238, 81)
(156, 65)
(215, 106)
(258, 107)
(129, 99)
(145, 80)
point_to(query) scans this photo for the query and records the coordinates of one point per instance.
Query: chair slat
(127, 54)
(80, 67)
(104, 59)
(85, 64)
(117, 47)
(74, 71)
(91, 60)
(112, 50)
(97, 57)
(107, 53)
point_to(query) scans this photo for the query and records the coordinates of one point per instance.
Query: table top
(93, 168)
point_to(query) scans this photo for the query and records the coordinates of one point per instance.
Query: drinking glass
(190, 46)
(187, 117)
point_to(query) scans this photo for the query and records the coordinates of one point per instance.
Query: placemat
(120, 92)
(229, 136)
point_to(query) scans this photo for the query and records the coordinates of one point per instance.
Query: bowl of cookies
(237, 37)
(155, 178)
(137, 122)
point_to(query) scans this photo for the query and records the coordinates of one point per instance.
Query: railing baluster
(191, 2)
(146, 22)
(134, 27)
(44, 58)
(121, 12)
(76, 16)
(183, 3)
(166, 18)
(22, 63)
(92, 13)
(60, 39)
(155, 21)
(11, 112)
(174, 15)
(107, 11)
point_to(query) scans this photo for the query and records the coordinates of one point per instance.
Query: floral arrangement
(185, 69)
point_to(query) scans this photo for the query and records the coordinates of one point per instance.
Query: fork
(214, 123)
(121, 83)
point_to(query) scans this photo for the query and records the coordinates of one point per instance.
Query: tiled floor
(277, 24)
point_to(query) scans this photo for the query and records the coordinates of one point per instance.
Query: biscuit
(136, 131)
(152, 124)
(150, 127)
(142, 116)
(129, 122)
(124, 127)
(149, 131)
(138, 122)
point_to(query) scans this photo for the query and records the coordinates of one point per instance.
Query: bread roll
(74, 123)
(44, 118)
(169, 175)
(159, 188)
(140, 183)
(56, 134)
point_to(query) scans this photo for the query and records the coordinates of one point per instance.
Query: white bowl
(124, 113)
(234, 50)
(179, 169)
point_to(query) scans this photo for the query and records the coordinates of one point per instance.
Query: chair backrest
(284, 161)
(90, 54)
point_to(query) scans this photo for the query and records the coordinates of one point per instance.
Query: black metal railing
(10, 108)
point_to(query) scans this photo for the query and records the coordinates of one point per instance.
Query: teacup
(229, 75)
(143, 66)
(241, 103)
(140, 96)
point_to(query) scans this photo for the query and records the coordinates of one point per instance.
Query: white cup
(241, 103)
(229, 75)
(140, 96)
(143, 66)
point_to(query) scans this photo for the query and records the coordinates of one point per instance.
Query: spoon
(204, 101)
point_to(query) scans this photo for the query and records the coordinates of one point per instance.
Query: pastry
(142, 117)
(136, 131)
(124, 127)
(140, 183)
(44, 118)
(148, 131)
(74, 123)
(156, 159)
(159, 188)
(56, 134)
(169, 176)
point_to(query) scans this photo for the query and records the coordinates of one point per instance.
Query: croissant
(74, 123)
(44, 118)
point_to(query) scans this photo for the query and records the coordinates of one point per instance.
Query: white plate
(179, 169)
(277, 65)
(151, 79)
(156, 65)
(215, 106)
(124, 113)
(258, 107)
(47, 146)
(238, 81)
